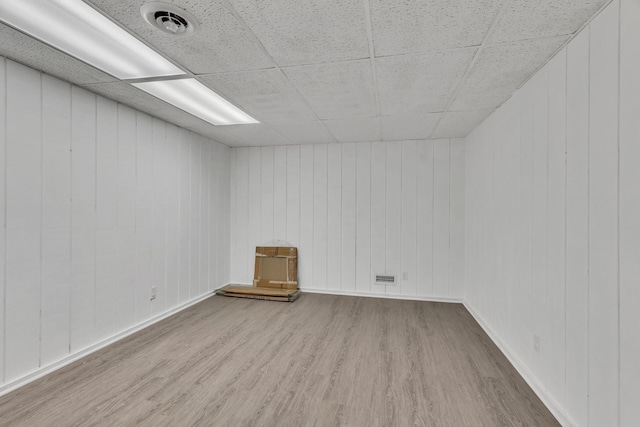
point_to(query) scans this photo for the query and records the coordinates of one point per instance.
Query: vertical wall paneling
(3, 165)
(524, 341)
(83, 235)
(456, 209)
(356, 210)
(224, 196)
(393, 225)
(205, 218)
(125, 307)
(255, 200)
(241, 215)
(424, 226)
(91, 211)
(280, 193)
(305, 254)
(320, 194)
(56, 218)
(334, 216)
(106, 217)
(603, 219)
(217, 277)
(378, 213)
(407, 274)
(23, 221)
(512, 300)
(185, 213)
(363, 217)
(539, 257)
(159, 168)
(195, 231)
(173, 255)
(348, 211)
(293, 195)
(629, 211)
(266, 195)
(578, 237)
(577, 260)
(556, 225)
(235, 196)
(441, 219)
(144, 216)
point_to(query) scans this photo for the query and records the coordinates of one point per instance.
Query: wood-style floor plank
(321, 361)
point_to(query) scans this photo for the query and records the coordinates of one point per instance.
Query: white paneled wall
(553, 241)
(98, 204)
(355, 210)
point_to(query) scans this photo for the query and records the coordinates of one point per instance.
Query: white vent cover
(385, 279)
(169, 18)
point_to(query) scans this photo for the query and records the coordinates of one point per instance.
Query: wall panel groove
(356, 210)
(92, 191)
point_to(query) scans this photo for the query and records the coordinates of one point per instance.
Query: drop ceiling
(323, 71)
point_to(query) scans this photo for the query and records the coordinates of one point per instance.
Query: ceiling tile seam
(429, 52)
(562, 46)
(374, 74)
(246, 27)
(250, 32)
(472, 63)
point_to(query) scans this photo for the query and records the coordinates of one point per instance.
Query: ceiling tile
(307, 31)
(313, 132)
(407, 26)
(458, 124)
(221, 44)
(29, 51)
(501, 69)
(256, 134)
(401, 127)
(360, 129)
(336, 90)
(526, 19)
(266, 95)
(420, 83)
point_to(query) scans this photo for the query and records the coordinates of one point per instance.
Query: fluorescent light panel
(195, 98)
(76, 28)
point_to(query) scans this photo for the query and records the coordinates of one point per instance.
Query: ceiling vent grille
(169, 18)
(385, 279)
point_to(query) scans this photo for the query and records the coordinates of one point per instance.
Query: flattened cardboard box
(252, 292)
(276, 267)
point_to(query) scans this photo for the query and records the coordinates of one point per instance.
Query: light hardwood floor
(320, 361)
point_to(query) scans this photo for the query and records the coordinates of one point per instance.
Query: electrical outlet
(153, 292)
(536, 343)
(405, 275)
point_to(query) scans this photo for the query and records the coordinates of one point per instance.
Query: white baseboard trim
(385, 296)
(557, 411)
(44, 370)
(371, 295)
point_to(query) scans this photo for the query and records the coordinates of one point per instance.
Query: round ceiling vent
(169, 18)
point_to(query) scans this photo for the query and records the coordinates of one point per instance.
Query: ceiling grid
(325, 71)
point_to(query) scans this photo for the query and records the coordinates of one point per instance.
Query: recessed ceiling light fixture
(79, 30)
(169, 19)
(195, 98)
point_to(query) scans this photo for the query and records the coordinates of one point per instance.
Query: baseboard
(40, 372)
(384, 296)
(371, 295)
(557, 411)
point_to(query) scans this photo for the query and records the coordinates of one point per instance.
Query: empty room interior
(450, 188)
